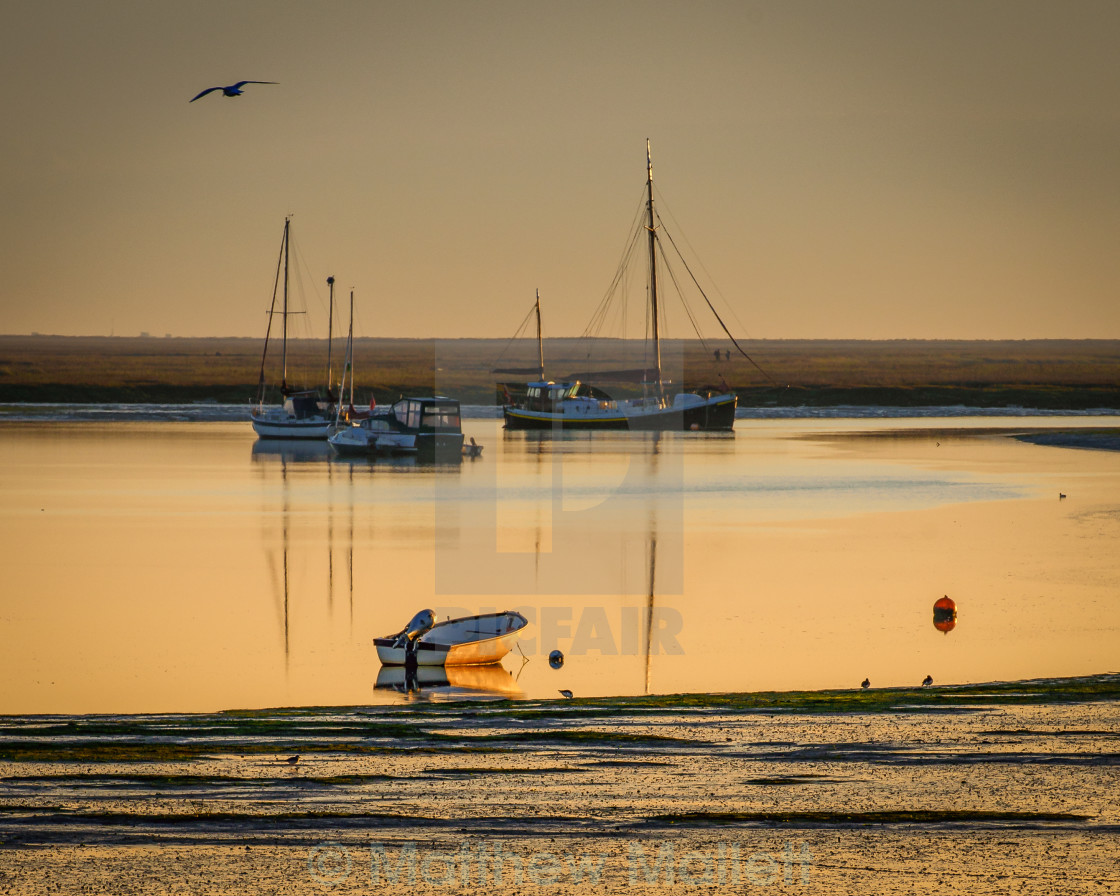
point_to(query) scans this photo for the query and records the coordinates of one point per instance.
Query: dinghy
(468, 641)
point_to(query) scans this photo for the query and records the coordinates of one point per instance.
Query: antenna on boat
(350, 350)
(540, 342)
(330, 334)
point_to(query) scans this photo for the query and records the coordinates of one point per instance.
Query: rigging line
(516, 335)
(624, 262)
(268, 329)
(668, 269)
(738, 347)
(663, 206)
(595, 325)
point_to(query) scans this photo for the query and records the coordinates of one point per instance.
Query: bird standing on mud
(232, 89)
(865, 684)
(927, 682)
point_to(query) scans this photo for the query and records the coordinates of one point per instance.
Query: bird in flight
(232, 90)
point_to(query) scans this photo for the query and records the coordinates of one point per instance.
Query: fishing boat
(572, 403)
(467, 641)
(302, 414)
(429, 428)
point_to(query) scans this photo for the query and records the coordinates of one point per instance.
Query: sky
(842, 169)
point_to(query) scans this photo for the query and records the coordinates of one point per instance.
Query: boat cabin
(437, 414)
(548, 396)
(302, 405)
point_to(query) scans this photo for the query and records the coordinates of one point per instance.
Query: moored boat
(302, 414)
(572, 403)
(467, 641)
(429, 428)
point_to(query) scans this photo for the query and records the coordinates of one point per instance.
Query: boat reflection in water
(493, 681)
(291, 450)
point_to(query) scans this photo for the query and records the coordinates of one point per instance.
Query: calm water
(162, 565)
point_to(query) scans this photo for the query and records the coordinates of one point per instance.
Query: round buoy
(556, 659)
(944, 614)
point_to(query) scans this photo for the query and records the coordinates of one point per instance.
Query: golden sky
(878, 169)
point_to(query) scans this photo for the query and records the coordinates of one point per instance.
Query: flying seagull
(233, 89)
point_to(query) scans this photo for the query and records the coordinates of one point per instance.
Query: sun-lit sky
(873, 169)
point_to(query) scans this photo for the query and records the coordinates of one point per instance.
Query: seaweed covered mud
(1007, 787)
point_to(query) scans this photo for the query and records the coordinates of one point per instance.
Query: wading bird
(865, 684)
(927, 682)
(232, 90)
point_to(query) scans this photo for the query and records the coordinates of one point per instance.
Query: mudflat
(973, 789)
(1074, 374)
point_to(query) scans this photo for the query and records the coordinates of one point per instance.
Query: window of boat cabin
(442, 417)
(407, 412)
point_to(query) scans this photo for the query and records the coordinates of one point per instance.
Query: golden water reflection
(164, 566)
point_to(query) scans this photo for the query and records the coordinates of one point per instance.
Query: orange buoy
(944, 614)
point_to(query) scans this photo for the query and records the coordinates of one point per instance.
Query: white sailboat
(303, 414)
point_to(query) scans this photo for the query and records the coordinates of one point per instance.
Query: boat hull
(269, 426)
(716, 414)
(471, 641)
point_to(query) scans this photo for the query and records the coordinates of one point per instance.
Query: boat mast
(284, 350)
(330, 335)
(350, 349)
(268, 329)
(540, 343)
(653, 266)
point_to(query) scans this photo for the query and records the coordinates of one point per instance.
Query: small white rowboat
(469, 641)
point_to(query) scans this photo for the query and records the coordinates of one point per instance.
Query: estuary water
(165, 564)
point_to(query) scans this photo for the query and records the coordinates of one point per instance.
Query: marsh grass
(1036, 373)
(358, 731)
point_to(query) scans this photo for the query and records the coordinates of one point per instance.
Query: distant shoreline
(1043, 398)
(1067, 375)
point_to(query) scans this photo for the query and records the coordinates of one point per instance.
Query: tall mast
(653, 264)
(330, 334)
(540, 343)
(350, 350)
(284, 351)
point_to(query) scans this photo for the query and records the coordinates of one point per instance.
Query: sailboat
(303, 413)
(573, 404)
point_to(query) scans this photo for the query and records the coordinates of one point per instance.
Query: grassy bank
(1057, 374)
